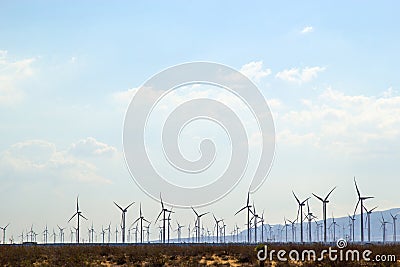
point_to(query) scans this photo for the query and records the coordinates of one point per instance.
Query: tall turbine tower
(369, 221)
(78, 214)
(123, 218)
(301, 205)
(248, 207)
(324, 202)
(361, 202)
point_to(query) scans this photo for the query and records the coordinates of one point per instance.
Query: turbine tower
(248, 207)
(78, 214)
(369, 221)
(217, 225)
(163, 211)
(123, 218)
(198, 228)
(4, 232)
(352, 218)
(301, 205)
(383, 226)
(394, 218)
(361, 202)
(141, 218)
(324, 202)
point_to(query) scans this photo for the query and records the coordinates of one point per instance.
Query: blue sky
(67, 70)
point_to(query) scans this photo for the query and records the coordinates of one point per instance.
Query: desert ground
(174, 255)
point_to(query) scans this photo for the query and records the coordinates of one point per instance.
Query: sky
(329, 72)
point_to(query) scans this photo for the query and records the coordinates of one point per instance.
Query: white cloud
(123, 98)
(351, 124)
(91, 147)
(254, 70)
(39, 159)
(300, 75)
(11, 74)
(307, 29)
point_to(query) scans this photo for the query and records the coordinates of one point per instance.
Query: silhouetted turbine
(78, 214)
(324, 202)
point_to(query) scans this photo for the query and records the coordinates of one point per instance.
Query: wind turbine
(4, 232)
(78, 214)
(54, 235)
(61, 234)
(141, 218)
(369, 221)
(123, 218)
(383, 226)
(309, 217)
(92, 231)
(255, 217)
(324, 202)
(217, 225)
(163, 211)
(45, 234)
(301, 205)
(293, 229)
(262, 226)
(178, 229)
(198, 217)
(286, 226)
(352, 218)
(116, 234)
(148, 232)
(334, 223)
(360, 201)
(394, 218)
(248, 207)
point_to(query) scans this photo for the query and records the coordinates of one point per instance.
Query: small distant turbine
(4, 232)
(394, 218)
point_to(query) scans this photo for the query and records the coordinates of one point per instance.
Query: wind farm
(319, 228)
(208, 133)
(257, 231)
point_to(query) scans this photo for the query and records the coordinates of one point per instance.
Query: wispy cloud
(298, 75)
(11, 74)
(40, 159)
(307, 29)
(255, 71)
(342, 123)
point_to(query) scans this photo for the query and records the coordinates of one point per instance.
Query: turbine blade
(159, 215)
(298, 201)
(73, 216)
(358, 191)
(318, 197)
(118, 206)
(326, 198)
(356, 206)
(135, 221)
(82, 216)
(195, 212)
(240, 210)
(129, 205)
